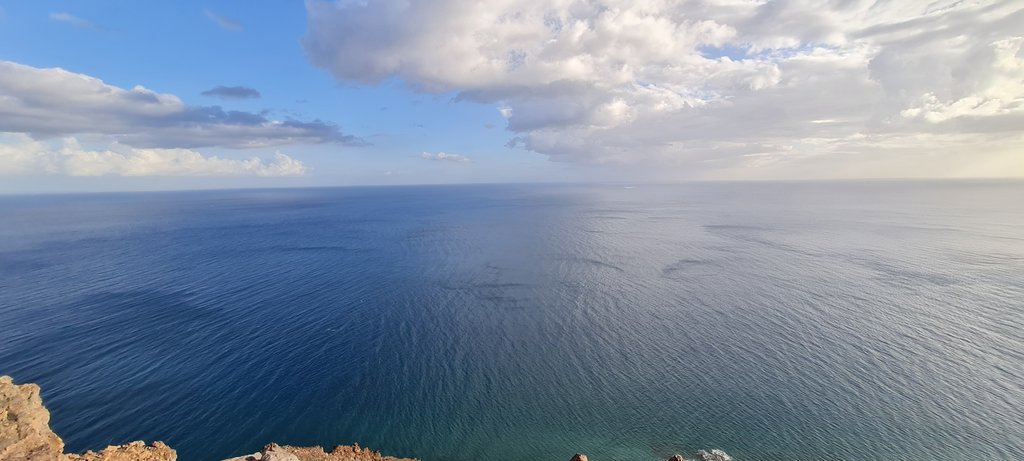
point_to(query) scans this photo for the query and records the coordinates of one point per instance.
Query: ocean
(777, 321)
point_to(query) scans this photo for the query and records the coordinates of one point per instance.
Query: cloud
(232, 92)
(445, 157)
(223, 22)
(699, 85)
(54, 102)
(73, 20)
(22, 155)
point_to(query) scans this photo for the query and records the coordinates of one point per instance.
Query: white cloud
(22, 155)
(701, 84)
(54, 102)
(223, 22)
(445, 157)
(76, 21)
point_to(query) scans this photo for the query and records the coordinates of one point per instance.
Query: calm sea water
(817, 321)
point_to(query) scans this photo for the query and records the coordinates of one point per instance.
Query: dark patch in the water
(691, 267)
(900, 277)
(733, 227)
(594, 262)
(320, 248)
(755, 235)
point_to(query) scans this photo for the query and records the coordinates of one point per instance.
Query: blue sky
(517, 91)
(174, 47)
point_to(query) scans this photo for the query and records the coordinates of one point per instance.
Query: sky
(123, 95)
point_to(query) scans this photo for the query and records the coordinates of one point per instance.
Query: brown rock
(340, 453)
(135, 451)
(579, 457)
(25, 433)
(275, 452)
(676, 458)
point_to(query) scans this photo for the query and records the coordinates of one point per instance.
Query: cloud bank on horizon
(147, 133)
(715, 88)
(611, 89)
(22, 155)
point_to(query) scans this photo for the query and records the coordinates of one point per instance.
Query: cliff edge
(25, 424)
(25, 435)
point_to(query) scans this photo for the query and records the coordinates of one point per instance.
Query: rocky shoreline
(25, 435)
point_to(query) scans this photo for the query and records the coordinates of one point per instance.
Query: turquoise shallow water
(799, 321)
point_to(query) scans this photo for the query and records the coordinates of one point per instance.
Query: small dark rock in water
(676, 458)
(714, 455)
(579, 457)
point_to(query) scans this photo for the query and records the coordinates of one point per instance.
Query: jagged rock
(714, 455)
(275, 452)
(676, 458)
(339, 453)
(134, 451)
(579, 457)
(25, 433)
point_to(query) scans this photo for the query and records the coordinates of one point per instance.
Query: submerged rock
(713, 455)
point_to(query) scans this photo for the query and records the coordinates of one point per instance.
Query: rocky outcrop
(25, 433)
(135, 451)
(275, 452)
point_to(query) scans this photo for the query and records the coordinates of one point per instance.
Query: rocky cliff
(25, 435)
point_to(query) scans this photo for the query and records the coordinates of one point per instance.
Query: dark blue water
(843, 321)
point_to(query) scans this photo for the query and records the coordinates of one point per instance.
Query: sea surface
(776, 321)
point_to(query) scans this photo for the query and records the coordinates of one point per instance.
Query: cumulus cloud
(232, 92)
(445, 157)
(223, 22)
(54, 102)
(702, 84)
(76, 21)
(22, 155)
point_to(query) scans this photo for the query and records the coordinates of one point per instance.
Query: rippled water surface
(817, 321)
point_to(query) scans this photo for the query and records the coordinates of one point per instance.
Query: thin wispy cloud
(445, 157)
(223, 22)
(68, 18)
(232, 92)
